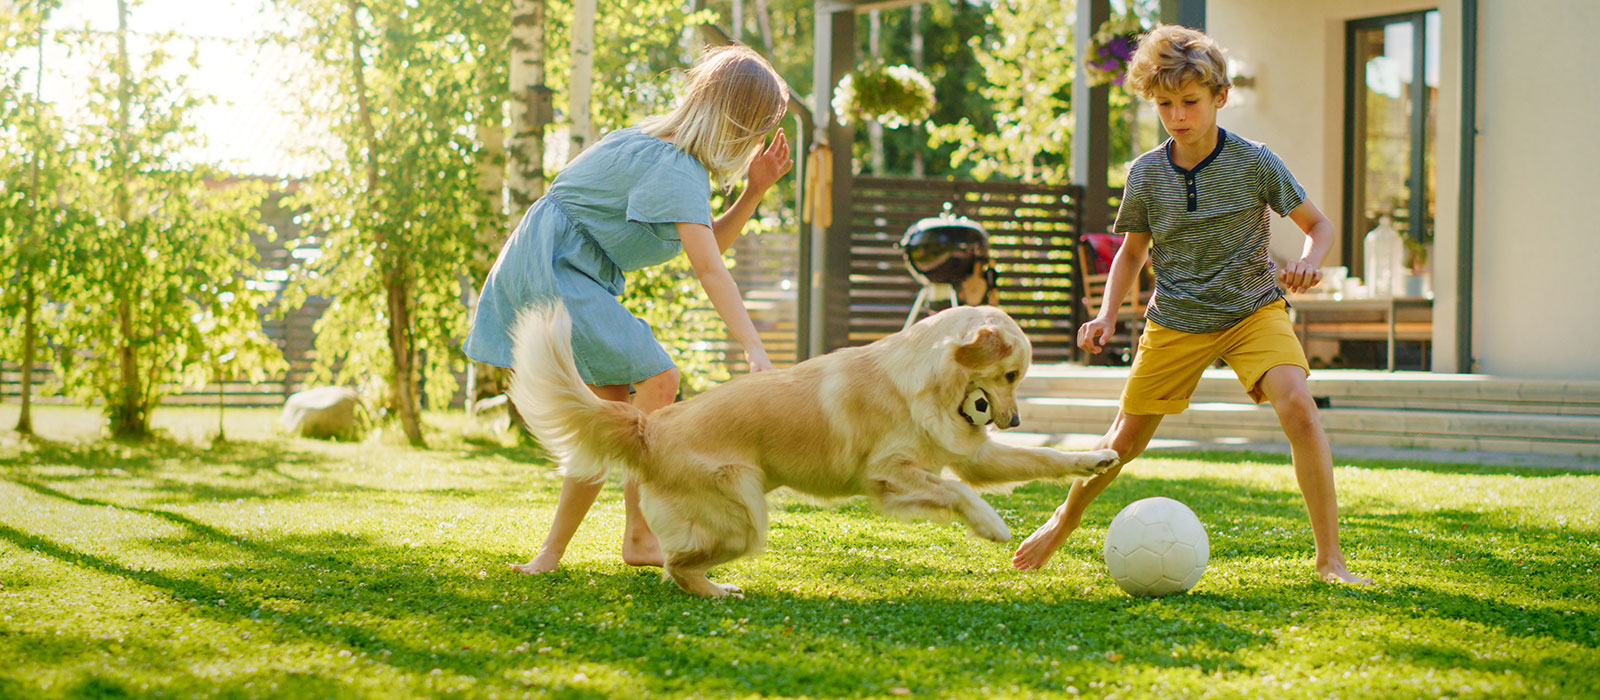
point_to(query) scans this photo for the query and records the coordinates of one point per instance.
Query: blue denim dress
(613, 209)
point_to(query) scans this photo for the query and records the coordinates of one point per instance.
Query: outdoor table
(1331, 311)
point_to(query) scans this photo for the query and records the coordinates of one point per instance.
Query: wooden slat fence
(1032, 229)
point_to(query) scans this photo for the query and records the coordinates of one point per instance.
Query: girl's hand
(770, 164)
(1298, 276)
(757, 359)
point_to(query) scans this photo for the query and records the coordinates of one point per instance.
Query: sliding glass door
(1392, 79)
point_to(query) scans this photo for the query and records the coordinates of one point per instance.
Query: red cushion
(1102, 249)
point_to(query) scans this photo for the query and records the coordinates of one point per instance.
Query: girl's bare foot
(1334, 572)
(543, 562)
(639, 548)
(1036, 550)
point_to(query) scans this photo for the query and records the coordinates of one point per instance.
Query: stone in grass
(324, 412)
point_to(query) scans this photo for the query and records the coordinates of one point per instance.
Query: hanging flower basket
(893, 96)
(1111, 49)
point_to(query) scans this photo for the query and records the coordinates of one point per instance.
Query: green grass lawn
(270, 566)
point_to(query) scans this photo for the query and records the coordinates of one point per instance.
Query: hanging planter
(893, 96)
(1111, 49)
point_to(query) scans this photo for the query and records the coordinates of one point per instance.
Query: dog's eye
(1011, 376)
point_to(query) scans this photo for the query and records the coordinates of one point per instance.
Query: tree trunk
(481, 379)
(918, 169)
(764, 20)
(128, 418)
(530, 104)
(402, 350)
(582, 77)
(531, 113)
(30, 295)
(875, 129)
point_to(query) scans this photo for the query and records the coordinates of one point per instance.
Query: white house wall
(1536, 302)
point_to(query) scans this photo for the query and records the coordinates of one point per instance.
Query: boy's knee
(1296, 409)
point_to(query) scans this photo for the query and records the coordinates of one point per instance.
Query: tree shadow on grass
(418, 609)
(355, 593)
(1507, 556)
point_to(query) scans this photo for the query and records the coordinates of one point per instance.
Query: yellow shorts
(1168, 366)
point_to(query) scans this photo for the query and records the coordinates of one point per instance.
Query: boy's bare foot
(640, 548)
(1036, 550)
(1334, 572)
(542, 563)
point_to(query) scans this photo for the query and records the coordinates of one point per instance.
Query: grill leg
(918, 305)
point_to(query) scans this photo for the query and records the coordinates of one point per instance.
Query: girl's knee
(662, 387)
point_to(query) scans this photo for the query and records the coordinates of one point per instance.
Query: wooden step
(1577, 436)
(1425, 391)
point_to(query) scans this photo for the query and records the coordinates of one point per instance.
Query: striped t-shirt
(1209, 231)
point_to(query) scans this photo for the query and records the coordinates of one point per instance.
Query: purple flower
(1121, 47)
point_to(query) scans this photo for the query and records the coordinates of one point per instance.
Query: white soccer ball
(977, 408)
(1156, 547)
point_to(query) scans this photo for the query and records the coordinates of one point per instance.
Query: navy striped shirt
(1209, 230)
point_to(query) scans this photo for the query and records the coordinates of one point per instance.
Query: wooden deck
(1553, 417)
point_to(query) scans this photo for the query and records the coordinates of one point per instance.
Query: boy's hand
(770, 164)
(1092, 336)
(1298, 276)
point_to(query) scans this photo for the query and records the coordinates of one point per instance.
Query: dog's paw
(989, 526)
(1104, 459)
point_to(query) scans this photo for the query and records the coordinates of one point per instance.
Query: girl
(633, 200)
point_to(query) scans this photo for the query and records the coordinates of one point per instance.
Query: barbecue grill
(943, 251)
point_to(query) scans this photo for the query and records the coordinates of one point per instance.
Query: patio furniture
(1094, 256)
(1389, 319)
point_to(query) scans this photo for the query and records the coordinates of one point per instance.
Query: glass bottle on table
(1385, 254)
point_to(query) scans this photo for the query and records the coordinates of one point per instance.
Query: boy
(1201, 199)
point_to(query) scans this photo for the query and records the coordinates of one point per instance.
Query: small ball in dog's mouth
(977, 408)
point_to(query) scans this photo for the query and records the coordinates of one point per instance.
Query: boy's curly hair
(1171, 55)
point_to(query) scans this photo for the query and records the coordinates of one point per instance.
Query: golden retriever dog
(883, 420)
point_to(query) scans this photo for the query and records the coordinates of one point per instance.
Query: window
(1392, 79)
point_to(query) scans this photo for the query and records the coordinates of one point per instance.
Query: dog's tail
(587, 434)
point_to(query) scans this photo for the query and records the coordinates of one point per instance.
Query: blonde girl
(636, 199)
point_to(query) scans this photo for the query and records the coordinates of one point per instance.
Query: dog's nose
(1016, 420)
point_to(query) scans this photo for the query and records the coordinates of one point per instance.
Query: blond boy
(1196, 207)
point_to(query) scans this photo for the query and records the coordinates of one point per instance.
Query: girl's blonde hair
(1170, 55)
(734, 100)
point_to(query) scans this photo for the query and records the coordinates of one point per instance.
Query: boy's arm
(1092, 336)
(1305, 273)
(1125, 268)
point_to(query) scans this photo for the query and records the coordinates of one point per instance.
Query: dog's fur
(881, 420)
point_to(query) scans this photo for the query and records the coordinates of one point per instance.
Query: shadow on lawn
(771, 643)
(418, 610)
(233, 468)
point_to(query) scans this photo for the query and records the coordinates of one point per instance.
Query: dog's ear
(983, 347)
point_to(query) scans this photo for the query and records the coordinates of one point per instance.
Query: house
(1509, 148)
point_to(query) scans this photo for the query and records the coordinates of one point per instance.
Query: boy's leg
(1129, 434)
(1285, 386)
(577, 496)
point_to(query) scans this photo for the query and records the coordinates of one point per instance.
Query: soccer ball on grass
(1156, 547)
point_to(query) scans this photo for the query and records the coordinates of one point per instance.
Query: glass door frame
(1355, 82)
